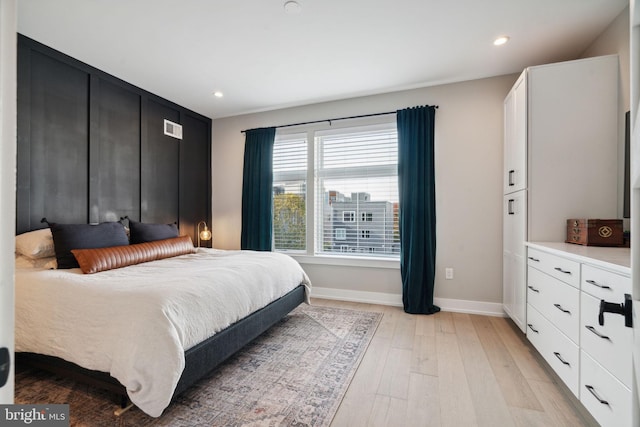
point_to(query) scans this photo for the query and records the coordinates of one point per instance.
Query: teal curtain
(257, 190)
(417, 208)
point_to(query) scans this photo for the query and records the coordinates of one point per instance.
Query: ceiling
(262, 58)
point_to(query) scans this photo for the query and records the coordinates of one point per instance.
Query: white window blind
(357, 191)
(289, 192)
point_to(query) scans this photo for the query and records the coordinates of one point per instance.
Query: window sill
(348, 261)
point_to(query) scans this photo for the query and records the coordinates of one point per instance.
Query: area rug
(295, 374)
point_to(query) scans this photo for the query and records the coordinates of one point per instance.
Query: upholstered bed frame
(109, 123)
(199, 360)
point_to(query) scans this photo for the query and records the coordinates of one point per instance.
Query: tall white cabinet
(561, 133)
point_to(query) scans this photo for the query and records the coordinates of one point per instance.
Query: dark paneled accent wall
(58, 111)
(115, 153)
(91, 148)
(194, 187)
(160, 166)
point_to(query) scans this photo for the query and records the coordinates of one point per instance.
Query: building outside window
(379, 237)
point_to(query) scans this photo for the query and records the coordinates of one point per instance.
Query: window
(348, 216)
(289, 192)
(357, 177)
(336, 192)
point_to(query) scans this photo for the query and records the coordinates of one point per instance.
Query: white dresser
(565, 287)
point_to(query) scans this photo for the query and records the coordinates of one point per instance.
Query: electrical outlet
(448, 273)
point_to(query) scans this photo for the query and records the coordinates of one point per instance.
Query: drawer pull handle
(592, 391)
(564, 362)
(532, 328)
(562, 271)
(511, 183)
(533, 289)
(534, 259)
(559, 307)
(592, 329)
(594, 283)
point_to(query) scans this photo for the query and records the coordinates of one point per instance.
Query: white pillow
(48, 263)
(35, 244)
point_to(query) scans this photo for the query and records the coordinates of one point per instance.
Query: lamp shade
(204, 234)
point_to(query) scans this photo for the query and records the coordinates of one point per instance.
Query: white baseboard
(446, 304)
(357, 296)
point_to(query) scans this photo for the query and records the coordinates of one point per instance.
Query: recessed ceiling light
(292, 7)
(218, 94)
(501, 40)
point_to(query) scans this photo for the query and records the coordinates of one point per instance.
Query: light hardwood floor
(453, 369)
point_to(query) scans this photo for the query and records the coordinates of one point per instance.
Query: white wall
(615, 40)
(468, 135)
(8, 43)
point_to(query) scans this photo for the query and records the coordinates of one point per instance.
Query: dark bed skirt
(199, 359)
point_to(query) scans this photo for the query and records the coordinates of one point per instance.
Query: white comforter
(136, 322)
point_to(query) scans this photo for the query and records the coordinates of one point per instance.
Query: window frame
(352, 216)
(344, 258)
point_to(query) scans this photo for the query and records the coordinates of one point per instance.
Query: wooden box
(595, 232)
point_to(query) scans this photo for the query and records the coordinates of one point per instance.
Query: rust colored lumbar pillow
(102, 259)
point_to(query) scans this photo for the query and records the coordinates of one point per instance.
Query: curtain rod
(332, 120)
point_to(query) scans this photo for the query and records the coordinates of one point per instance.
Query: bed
(153, 328)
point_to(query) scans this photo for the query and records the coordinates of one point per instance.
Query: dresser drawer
(537, 329)
(557, 301)
(561, 268)
(558, 350)
(604, 284)
(606, 398)
(611, 344)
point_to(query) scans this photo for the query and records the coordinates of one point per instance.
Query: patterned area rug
(295, 374)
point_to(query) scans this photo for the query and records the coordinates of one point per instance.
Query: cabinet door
(514, 266)
(508, 299)
(515, 138)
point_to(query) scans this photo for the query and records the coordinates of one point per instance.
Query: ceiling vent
(172, 129)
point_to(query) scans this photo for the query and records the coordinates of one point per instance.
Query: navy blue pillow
(141, 233)
(84, 236)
